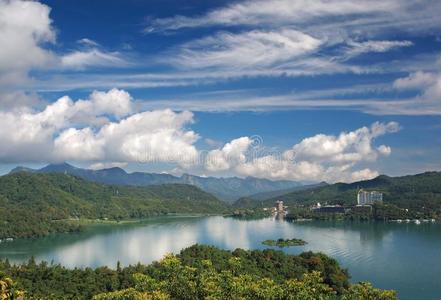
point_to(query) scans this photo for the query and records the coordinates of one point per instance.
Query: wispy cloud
(92, 58)
(250, 49)
(356, 48)
(362, 17)
(276, 13)
(88, 42)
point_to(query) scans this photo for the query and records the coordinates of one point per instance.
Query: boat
(418, 222)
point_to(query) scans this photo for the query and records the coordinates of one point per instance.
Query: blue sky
(279, 89)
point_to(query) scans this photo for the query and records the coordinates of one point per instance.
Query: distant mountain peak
(113, 170)
(58, 167)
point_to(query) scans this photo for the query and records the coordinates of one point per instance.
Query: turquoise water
(404, 257)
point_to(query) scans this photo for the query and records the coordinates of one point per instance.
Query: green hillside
(35, 204)
(421, 192)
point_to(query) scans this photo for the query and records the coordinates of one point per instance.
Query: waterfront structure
(369, 197)
(333, 209)
(279, 210)
(279, 206)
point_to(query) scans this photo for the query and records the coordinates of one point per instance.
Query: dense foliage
(420, 194)
(183, 282)
(284, 242)
(269, 267)
(34, 204)
(250, 214)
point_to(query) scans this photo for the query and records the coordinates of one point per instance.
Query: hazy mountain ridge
(228, 189)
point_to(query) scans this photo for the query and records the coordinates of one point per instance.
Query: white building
(279, 205)
(369, 198)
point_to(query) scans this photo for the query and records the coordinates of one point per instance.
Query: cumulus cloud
(320, 157)
(116, 102)
(26, 31)
(25, 27)
(105, 131)
(101, 128)
(152, 136)
(19, 101)
(232, 154)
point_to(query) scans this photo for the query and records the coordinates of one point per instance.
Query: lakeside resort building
(365, 198)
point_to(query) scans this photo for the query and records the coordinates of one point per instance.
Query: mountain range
(228, 189)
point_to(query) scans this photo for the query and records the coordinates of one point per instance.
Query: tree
(8, 290)
(365, 291)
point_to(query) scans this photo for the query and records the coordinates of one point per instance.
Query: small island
(284, 243)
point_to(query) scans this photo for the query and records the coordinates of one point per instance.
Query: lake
(404, 257)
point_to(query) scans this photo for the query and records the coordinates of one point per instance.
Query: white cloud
(231, 154)
(428, 85)
(92, 58)
(418, 80)
(104, 130)
(19, 101)
(116, 102)
(329, 17)
(88, 42)
(276, 12)
(320, 157)
(81, 131)
(248, 49)
(357, 48)
(384, 150)
(297, 37)
(24, 27)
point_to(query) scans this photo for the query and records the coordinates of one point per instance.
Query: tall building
(279, 205)
(369, 198)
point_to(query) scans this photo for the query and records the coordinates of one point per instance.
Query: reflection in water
(404, 257)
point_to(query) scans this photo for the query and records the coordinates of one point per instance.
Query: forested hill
(228, 189)
(421, 191)
(36, 204)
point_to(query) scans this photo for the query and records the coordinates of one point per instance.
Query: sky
(280, 89)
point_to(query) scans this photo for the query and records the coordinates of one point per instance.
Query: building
(369, 197)
(279, 206)
(330, 209)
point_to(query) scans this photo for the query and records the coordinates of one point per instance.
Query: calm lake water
(404, 257)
